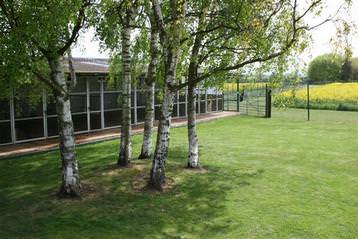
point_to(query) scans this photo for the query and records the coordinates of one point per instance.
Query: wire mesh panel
(248, 98)
(230, 97)
(252, 100)
(311, 98)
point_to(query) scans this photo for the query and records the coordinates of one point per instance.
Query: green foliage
(325, 68)
(115, 72)
(354, 69)
(34, 32)
(350, 70)
(259, 34)
(346, 72)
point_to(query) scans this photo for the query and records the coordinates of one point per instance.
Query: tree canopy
(325, 68)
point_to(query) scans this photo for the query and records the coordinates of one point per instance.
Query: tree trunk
(146, 151)
(125, 152)
(157, 179)
(71, 186)
(171, 50)
(193, 157)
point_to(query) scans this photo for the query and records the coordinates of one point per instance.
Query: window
(5, 124)
(112, 118)
(78, 103)
(95, 102)
(23, 109)
(202, 107)
(182, 110)
(140, 114)
(96, 121)
(157, 112)
(29, 129)
(182, 96)
(140, 98)
(94, 83)
(175, 110)
(5, 129)
(52, 126)
(111, 101)
(4, 110)
(81, 85)
(213, 105)
(220, 104)
(80, 122)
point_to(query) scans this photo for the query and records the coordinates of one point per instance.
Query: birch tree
(227, 36)
(231, 35)
(38, 34)
(146, 151)
(114, 22)
(125, 152)
(170, 34)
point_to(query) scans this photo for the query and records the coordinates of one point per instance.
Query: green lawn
(265, 178)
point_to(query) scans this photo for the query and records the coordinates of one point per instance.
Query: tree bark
(71, 186)
(125, 152)
(193, 156)
(157, 176)
(157, 179)
(170, 43)
(146, 151)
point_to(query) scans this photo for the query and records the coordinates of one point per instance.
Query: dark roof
(89, 65)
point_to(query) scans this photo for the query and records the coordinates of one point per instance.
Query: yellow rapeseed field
(335, 92)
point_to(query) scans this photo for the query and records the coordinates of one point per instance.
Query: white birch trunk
(193, 154)
(170, 43)
(125, 152)
(70, 186)
(193, 157)
(146, 151)
(163, 138)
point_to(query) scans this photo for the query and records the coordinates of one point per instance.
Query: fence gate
(248, 98)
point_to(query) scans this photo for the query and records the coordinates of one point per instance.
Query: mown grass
(265, 178)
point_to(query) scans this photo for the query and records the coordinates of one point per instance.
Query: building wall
(94, 107)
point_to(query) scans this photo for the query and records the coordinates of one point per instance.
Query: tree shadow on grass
(194, 207)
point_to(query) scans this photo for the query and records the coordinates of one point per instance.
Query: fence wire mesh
(249, 98)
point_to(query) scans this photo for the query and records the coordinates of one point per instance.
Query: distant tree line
(333, 68)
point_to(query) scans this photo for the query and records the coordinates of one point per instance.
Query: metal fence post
(102, 103)
(12, 117)
(198, 99)
(308, 100)
(88, 104)
(44, 112)
(217, 100)
(186, 101)
(267, 102)
(135, 104)
(238, 95)
(178, 105)
(206, 101)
